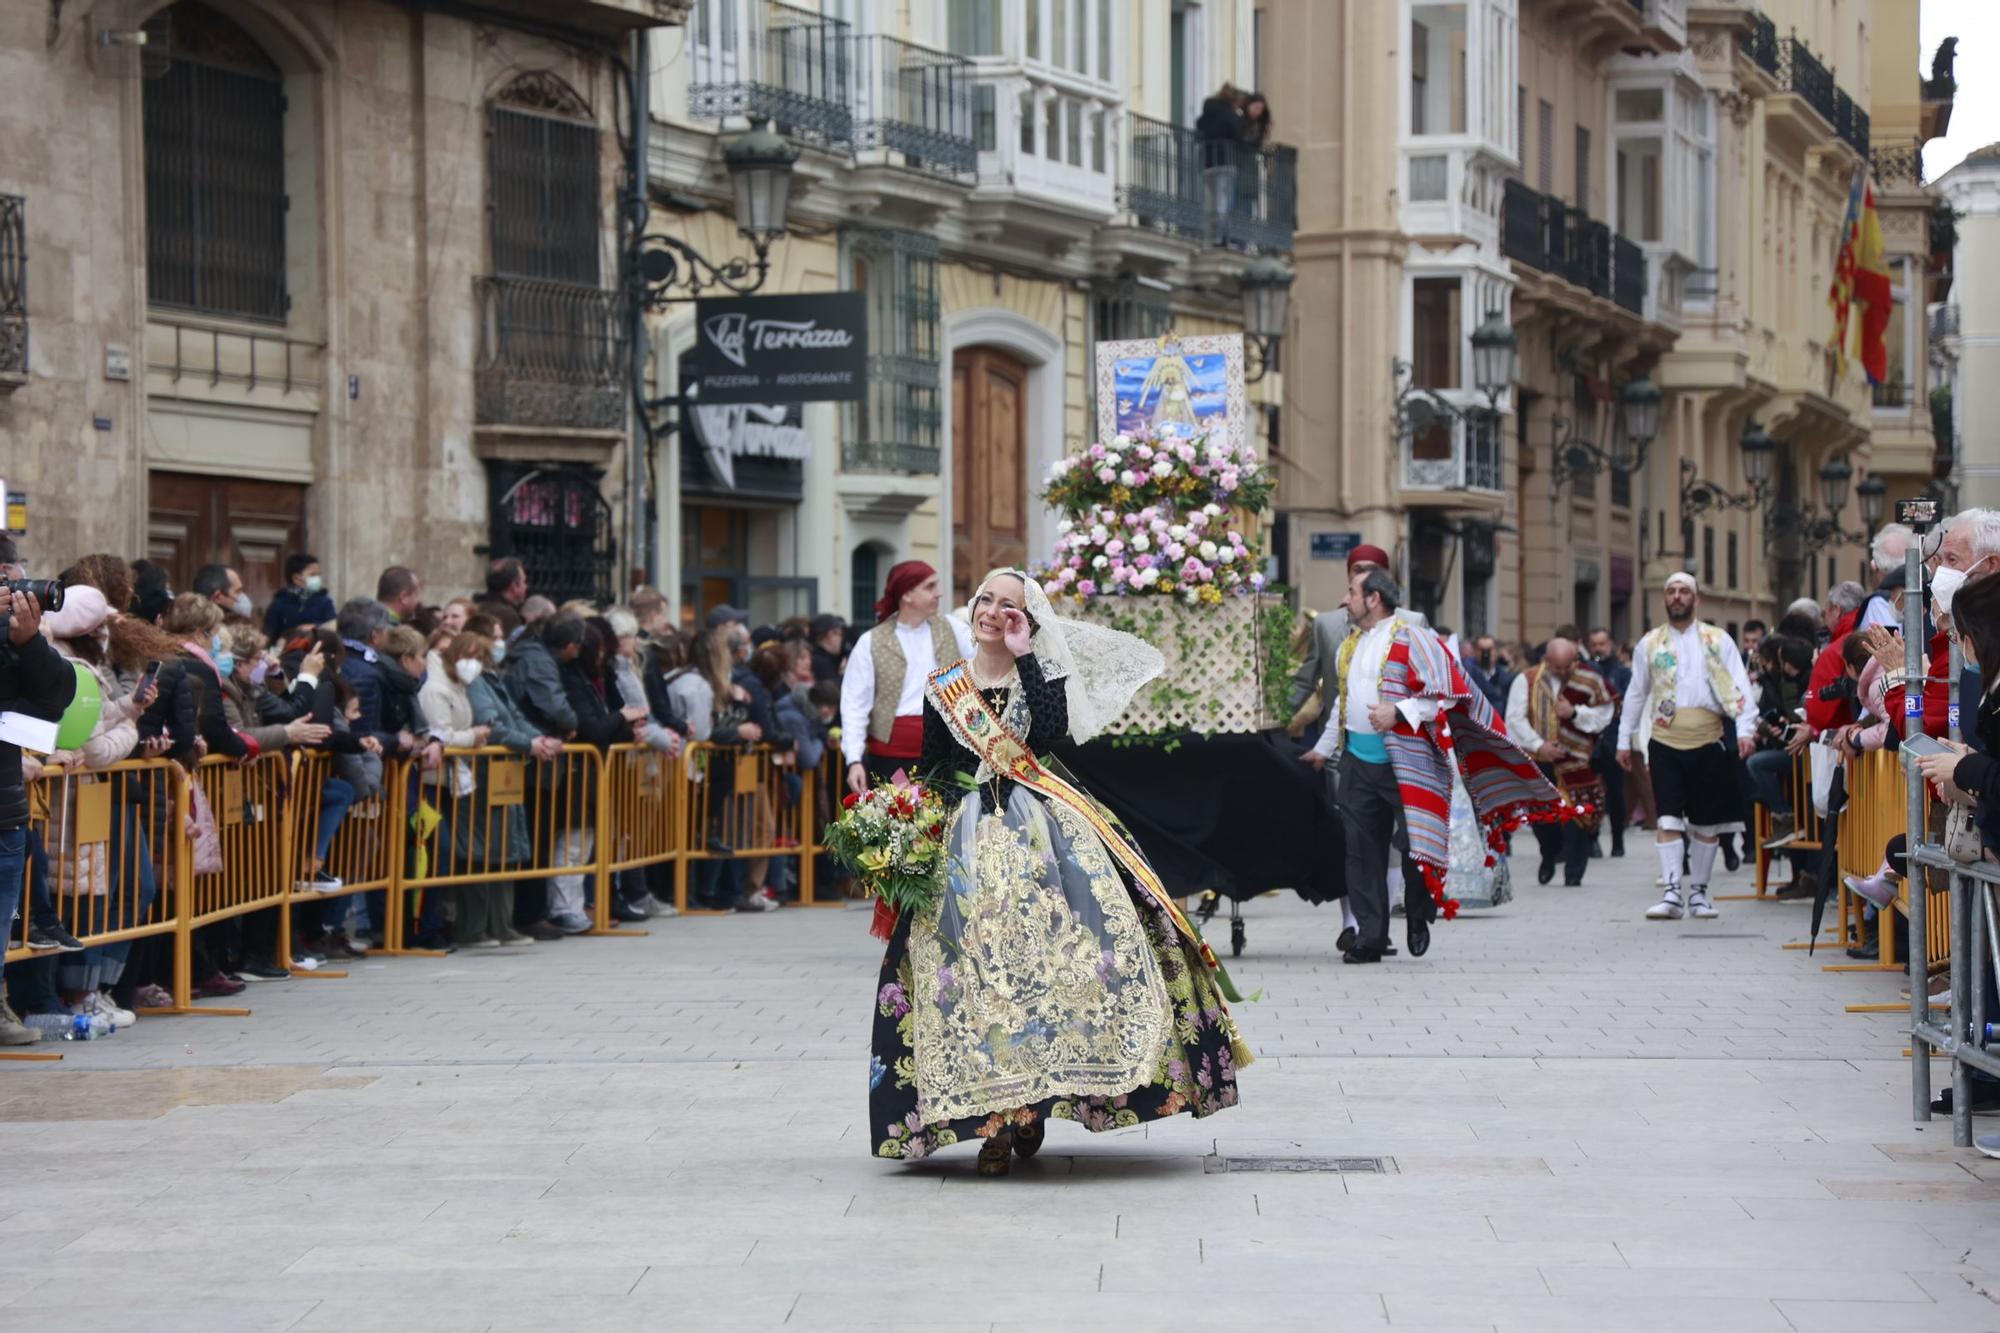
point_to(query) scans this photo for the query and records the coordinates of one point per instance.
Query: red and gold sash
(965, 710)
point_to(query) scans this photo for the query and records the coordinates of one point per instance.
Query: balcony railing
(765, 60)
(1703, 284)
(886, 456)
(1163, 182)
(1628, 275)
(1850, 121)
(914, 101)
(1899, 164)
(1215, 192)
(551, 354)
(1459, 453)
(1944, 322)
(1588, 261)
(1761, 44)
(1893, 393)
(1800, 72)
(13, 288)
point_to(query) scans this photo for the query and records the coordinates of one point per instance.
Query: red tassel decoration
(883, 924)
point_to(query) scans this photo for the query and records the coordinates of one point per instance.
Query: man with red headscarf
(882, 697)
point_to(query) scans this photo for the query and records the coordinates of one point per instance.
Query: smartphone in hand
(148, 677)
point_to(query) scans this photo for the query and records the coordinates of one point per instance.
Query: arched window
(545, 210)
(215, 169)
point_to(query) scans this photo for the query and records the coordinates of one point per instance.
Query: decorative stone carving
(540, 90)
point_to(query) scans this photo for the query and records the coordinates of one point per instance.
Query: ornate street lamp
(1640, 400)
(1872, 492)
(669, 270)
(1267, 303)
(1834, 475)
(1759, 454)
(1495, 355)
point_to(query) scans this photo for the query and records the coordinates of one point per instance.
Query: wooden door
(989, 465)
(248, 525)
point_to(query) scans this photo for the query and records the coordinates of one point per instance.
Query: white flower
(1100, 534)
(1099, 561)
(1128, 478)
(1212, 510)
(1178, 532)
(1226, 554)
(1141, 542)
(1162, 468)
(1207, 550)
(1065, 526)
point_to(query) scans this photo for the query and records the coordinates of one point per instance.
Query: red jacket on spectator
(1937, 691)
(1830, 666)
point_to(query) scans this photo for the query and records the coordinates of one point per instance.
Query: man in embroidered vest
(1555, 711)
(1688, 681)
(1396, 685)
(882, 697)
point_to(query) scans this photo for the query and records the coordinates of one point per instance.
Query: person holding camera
(35, 682)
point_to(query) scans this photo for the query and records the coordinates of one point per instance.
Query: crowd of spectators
(185, 674)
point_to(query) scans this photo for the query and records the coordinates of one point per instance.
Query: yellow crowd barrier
(147, 848)
(1808, 825)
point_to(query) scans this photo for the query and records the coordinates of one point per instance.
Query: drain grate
(1347, 1166)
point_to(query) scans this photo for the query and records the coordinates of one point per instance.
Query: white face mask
(1946, 583)
(243, 607)
(468, 669)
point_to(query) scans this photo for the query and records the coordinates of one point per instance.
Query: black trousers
(1370, 803)
(1566, 842)
(1613, 778)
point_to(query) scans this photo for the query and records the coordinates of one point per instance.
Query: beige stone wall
(387, 179)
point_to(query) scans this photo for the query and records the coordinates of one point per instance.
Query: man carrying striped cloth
(1405, 714)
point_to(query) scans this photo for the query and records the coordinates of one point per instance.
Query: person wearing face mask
(451, 787)
(224, 586)
(494, 708)
(197, 622)
(303, 601)
(1968, 550)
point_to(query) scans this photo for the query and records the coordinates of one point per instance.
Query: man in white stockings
(1688, 682)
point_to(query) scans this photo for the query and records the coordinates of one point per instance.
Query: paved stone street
(1585, 1121)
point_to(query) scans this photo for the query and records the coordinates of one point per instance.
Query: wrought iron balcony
(1455, 453)
(1892, 393)
(13, 292)
(1588, 262)
(1761, 44)
(1263, 212)
(1163, 181)
(916, 102)
(551, 354)
(888, 456)
(1218, 192)
(1800, 72)
(1898, 164)
(1628, 275)
(1944, 322)
(766, 60)
(1850, 121)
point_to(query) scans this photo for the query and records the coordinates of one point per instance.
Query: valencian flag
(1861, 276)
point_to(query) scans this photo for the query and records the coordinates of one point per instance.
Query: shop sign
(782, 349)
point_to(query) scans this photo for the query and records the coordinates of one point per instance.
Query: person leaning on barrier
(402, 663)
(507, 917)
(363, 624)
(197, 623)
(100, 877)
(36, 681)
(1971, 777)
(534, 673)
(699, 685)
(658, 727)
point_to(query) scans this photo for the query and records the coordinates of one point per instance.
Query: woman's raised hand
(1016, 635)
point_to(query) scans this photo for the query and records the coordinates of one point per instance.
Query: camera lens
(47, 592)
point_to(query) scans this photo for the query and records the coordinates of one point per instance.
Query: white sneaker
(100, 1003)
(1667, 909)
(571, 923)
(1699, 907)
(487, 943)
(661, 909)
(515, 941)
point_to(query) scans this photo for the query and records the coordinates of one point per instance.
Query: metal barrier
(646, 797)
(363, 847)
(740, 806)
(502, 817)
(121, 843)
(1969, 911)
(1808, 826)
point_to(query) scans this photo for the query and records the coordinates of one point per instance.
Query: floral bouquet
(1151, 514)
(892, 840)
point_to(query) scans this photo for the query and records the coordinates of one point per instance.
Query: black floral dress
(1045, 984)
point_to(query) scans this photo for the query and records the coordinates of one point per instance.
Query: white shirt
(1882, 611)
(1691, 687)
(857, 690)
(1364, 690)
(1589, 720)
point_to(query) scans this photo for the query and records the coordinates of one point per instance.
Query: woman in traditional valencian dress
(1053, 978)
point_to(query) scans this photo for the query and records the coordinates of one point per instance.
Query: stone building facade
(312, 274)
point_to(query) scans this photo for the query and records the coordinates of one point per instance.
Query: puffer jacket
(448, 711)
(535, 679)
(86, 869)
